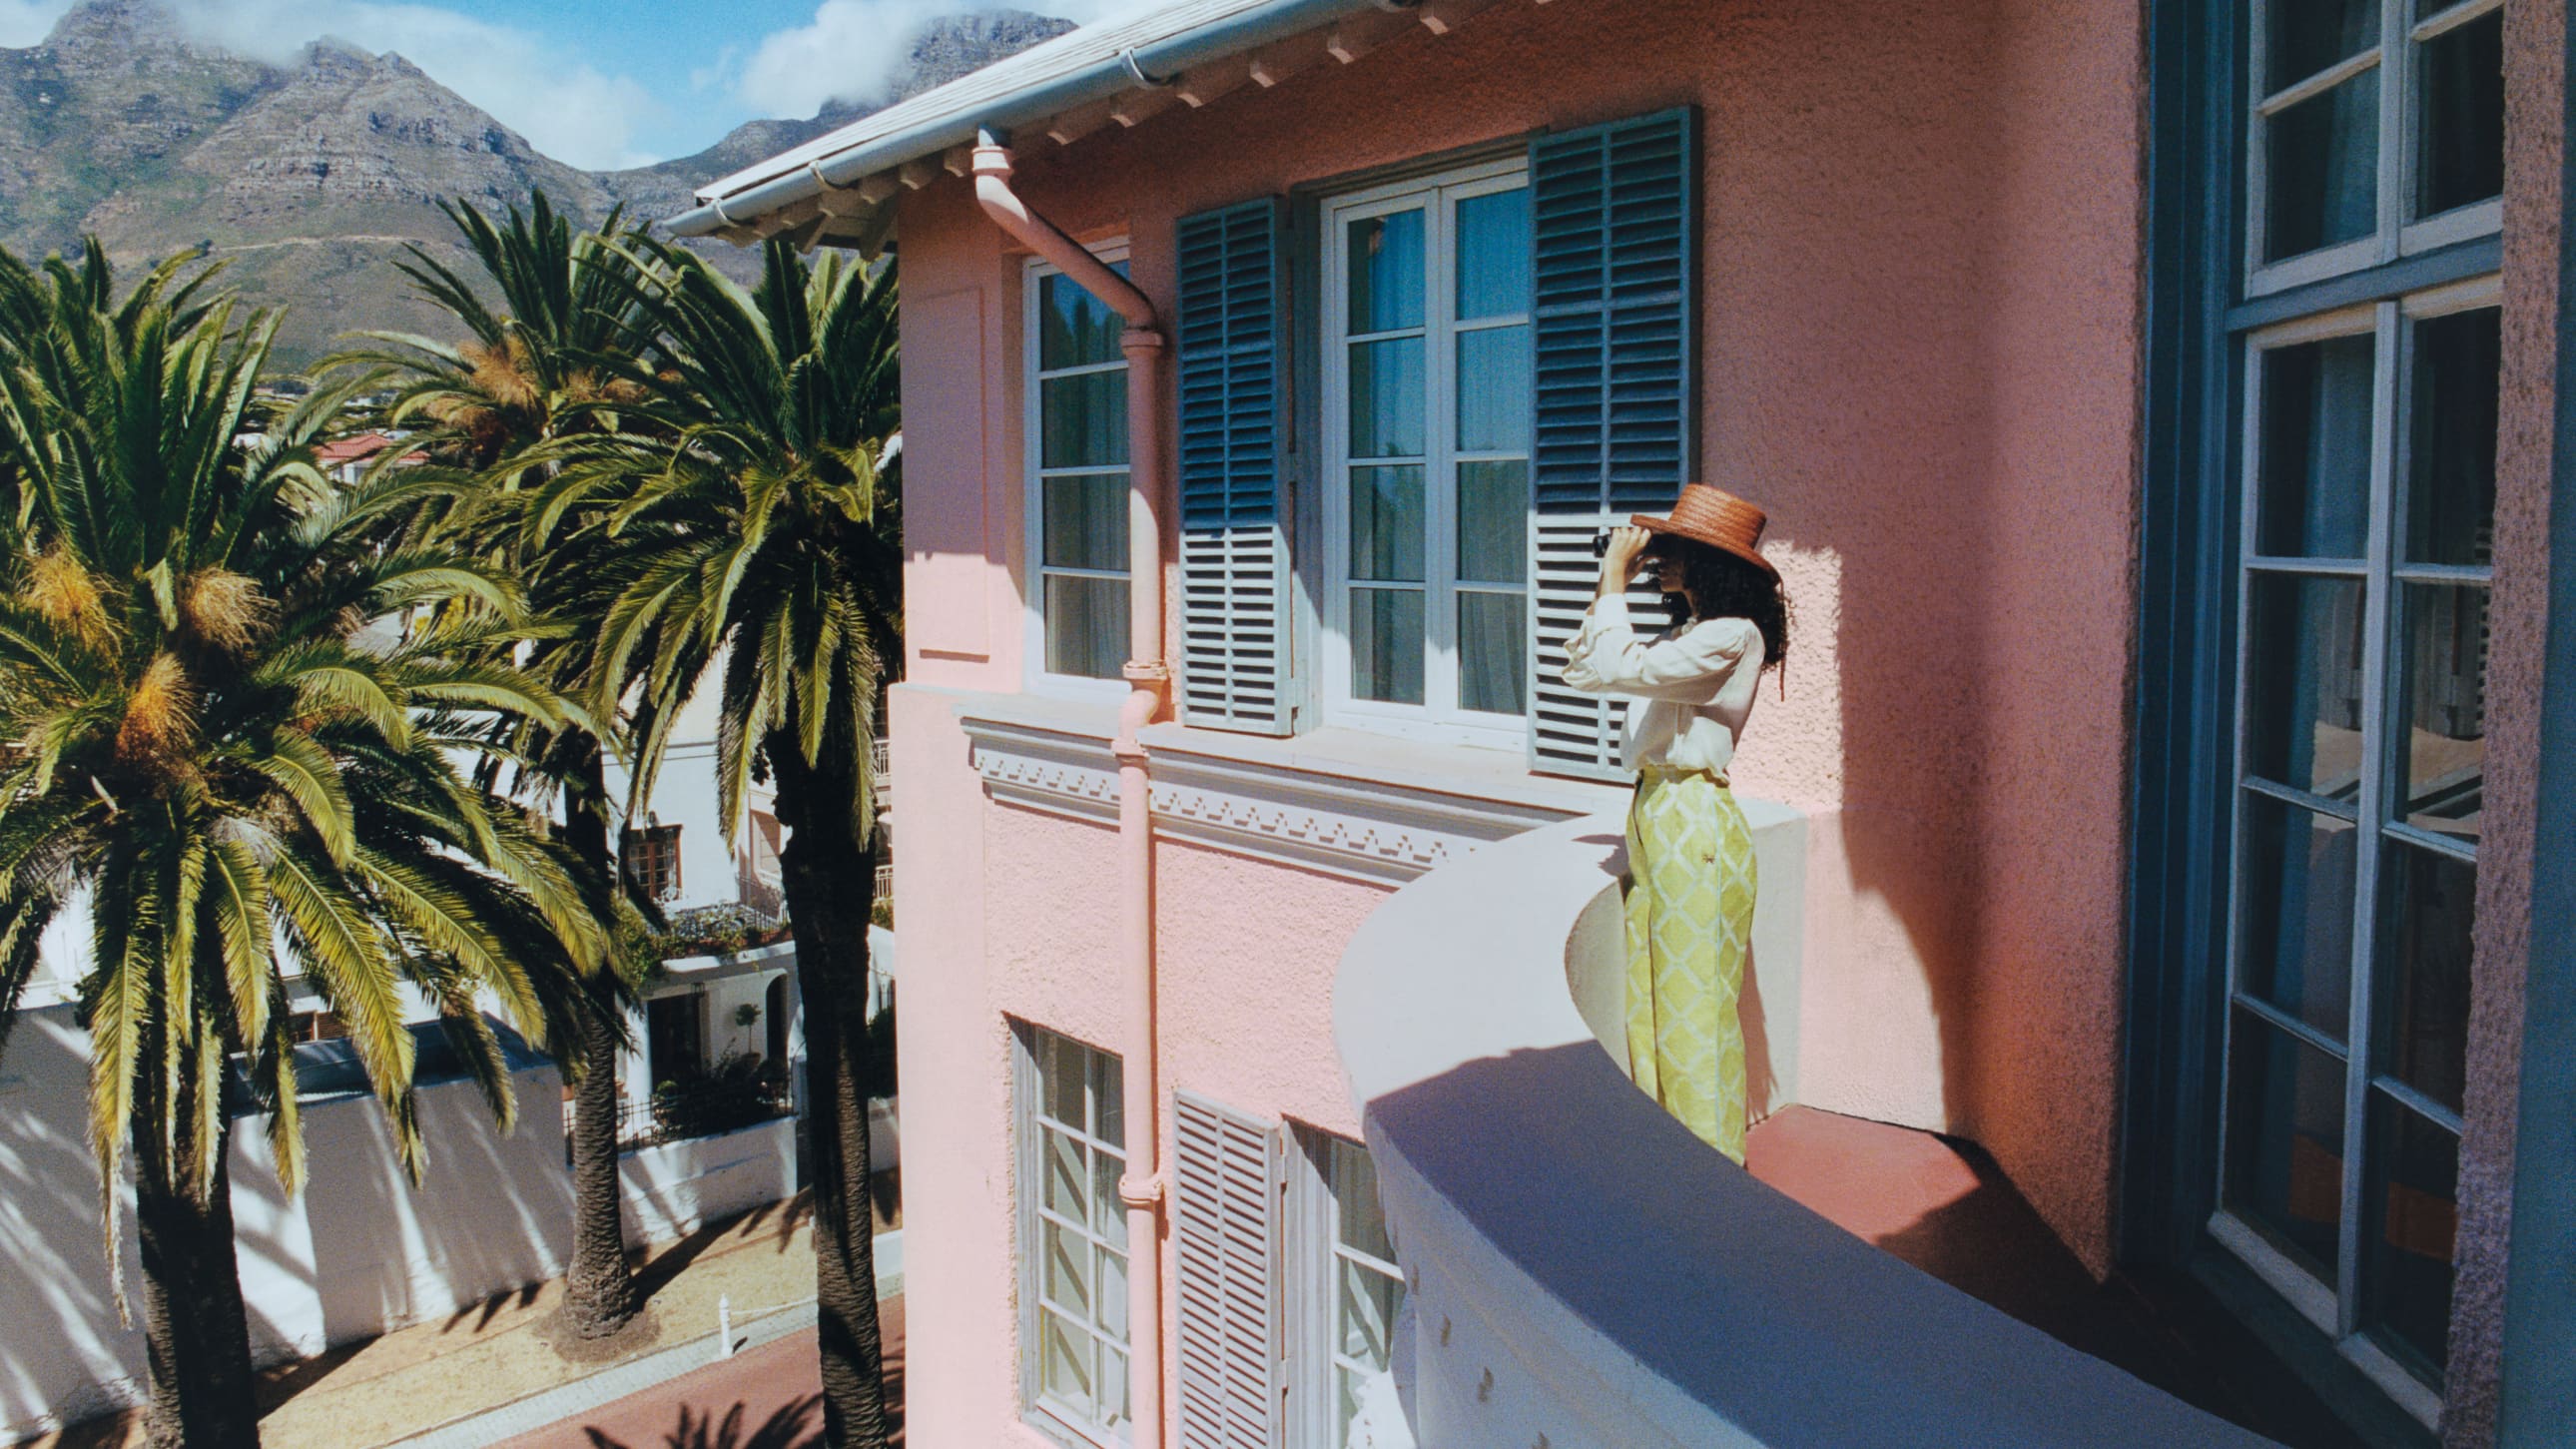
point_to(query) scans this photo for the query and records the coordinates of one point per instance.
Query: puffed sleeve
(1608, 657)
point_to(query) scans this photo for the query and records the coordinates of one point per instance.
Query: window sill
(1346, 802)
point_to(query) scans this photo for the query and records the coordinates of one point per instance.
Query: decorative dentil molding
(1338, 823)
(1056, 771)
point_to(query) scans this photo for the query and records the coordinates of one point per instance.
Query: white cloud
(850, 47)
(25, 22)
(565, 108)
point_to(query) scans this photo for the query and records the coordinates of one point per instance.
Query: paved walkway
(770, 1397)
(362, 1396)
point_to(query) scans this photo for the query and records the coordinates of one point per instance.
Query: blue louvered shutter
(1234, 549)
(1614, 234)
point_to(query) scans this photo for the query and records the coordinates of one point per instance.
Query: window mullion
(2397, 159)
(2249, 471)
(2387, 422)
(1439, 460)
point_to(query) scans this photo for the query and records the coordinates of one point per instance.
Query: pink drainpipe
(1149, 677)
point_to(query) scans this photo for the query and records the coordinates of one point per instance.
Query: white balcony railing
(1583, 1271)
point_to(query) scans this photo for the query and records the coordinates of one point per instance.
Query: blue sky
(597, 83)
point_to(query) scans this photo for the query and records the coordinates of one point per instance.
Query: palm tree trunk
(599, 1288)
(196, 1332)
(830, 883)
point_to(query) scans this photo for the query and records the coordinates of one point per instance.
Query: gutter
(1139, 67)
(1144, 1187)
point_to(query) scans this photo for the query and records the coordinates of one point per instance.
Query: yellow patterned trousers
(1690, 928)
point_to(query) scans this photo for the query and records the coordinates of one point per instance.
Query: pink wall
(2535, 86)
(1918, 349)
(1004, 914)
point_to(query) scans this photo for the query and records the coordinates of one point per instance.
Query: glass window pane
(1113, 1293)
(1386, 645)
(1367, 1315)
(1386, 398)
(2459, 137)
(2303, 682)
(1386, 524)
(1074, 327)
(1494, 390)
(1086, 521)
(1086, 627)
(2285, 1142)
(1386, 273)
(2321, 169)
(1108, 1214)
(1067, 1177)
(1359, 1221)
(1490, 652)
(2313, 467)
(1494, 254)
(2450, 481)
(1114, 1406)
(2429, 907)
(1066, 1360)
(1060, 1064)
(2413, 1207)
(2444, 699)
(1493, 522)
(2296, 906)
(1083, 420)
(1108, 1097)
(1067, 1256)
(2306, 36)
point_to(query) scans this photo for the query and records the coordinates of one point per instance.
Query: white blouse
(1695, 684)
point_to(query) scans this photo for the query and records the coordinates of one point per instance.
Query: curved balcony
(1584, 1272)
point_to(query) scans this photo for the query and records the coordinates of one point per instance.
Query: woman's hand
(1619, 560)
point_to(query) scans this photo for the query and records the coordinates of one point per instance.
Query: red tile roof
(353, 448)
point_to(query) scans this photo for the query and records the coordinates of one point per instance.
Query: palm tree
(541, 363)
(206, 744)
(756, 545)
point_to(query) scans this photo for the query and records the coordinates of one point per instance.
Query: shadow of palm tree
(796, 1426)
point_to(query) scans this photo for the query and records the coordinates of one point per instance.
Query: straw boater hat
(1711, 515)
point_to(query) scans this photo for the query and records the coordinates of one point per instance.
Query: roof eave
(736, 216)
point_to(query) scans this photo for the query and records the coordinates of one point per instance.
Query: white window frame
(1314, 1256)
(2397, 58)
(1437, 718)
(2337, 1311)
(1049, 1416)
(1033, 476)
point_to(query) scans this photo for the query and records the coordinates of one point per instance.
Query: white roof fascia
(1140, 50)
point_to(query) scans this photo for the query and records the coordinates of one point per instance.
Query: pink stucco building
(2156, 406)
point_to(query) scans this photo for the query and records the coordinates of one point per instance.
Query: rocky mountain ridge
(308, 179)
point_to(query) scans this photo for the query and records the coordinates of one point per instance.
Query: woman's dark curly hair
(1727, 587)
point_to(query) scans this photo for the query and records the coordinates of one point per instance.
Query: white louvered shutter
(1614, 411)
(1225, 1234)
(1234, 550)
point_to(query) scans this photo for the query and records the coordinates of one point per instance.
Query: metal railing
(640, 1126)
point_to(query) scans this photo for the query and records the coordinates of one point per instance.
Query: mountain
(307, 180)
(943, 50)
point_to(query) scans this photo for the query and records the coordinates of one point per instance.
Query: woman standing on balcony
(1690, 852)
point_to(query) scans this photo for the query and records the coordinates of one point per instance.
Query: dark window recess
(675, 1035)
(652, 860)
(315, 1026)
